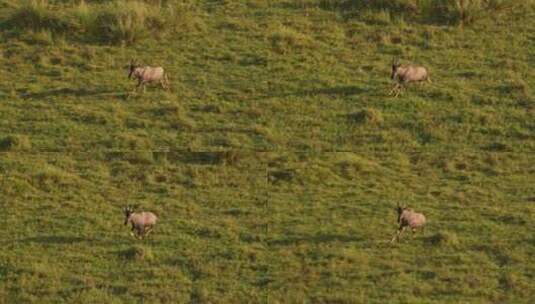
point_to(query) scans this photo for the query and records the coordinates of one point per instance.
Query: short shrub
(367, 116)
(15, 143)
(284, 39)
(405, 7)
(137, 253)
(185, 18)
(447, 239)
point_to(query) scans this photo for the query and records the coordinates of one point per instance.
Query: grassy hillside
(267, 228)
(276, 160)
(265, 75)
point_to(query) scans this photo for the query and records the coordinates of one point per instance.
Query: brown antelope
(142, 222)
(404, 74)
(147, 74)
(408, 218)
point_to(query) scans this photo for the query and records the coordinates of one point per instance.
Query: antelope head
(131, 68)
(399, 210)
(395, 66)
(127, 212)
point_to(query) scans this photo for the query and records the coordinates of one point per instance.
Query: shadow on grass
(55, 239)
(78, 92)
(65, 240)
(340, 90)
(331, 91)
(315, 239)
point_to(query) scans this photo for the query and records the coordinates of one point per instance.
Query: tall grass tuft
(112, 22)
(463, 12)
(185, 18)
(37, 16)
(451, 12)
(126, 22)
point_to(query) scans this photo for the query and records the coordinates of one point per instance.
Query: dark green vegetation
(241, 159)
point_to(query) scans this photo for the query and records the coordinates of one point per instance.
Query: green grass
(276, 160)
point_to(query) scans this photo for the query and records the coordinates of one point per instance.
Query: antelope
(404, 74)
(142, 222)
(408, 218)
(147, 74)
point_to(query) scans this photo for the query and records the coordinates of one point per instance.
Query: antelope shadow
(315, 239)
(78, 92)
(332, 91)
(55, 239)
(63, 240)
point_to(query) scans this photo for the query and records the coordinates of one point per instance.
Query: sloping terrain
(276, 159)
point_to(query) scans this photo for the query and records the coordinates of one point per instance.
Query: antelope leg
(139, 83)
(392, 90)
(395, 89)
(148, 231)
(398, 234)
(400, 89)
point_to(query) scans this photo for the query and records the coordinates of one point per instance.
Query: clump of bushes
(460, 12)
(15, 143)
(464, 12)
(35, 15)
(127, 22)
(113, 22)
(284, 39)
(445, 239)
(137, 253)
(367, 116)
(284, 175)
(50, 178)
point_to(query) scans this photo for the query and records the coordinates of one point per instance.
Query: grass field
(277, 158)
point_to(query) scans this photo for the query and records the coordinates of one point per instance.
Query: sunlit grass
(275, 160)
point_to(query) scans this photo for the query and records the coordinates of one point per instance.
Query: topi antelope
(142, 222)
(408, 218)
(404, 74)
(147, 74)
